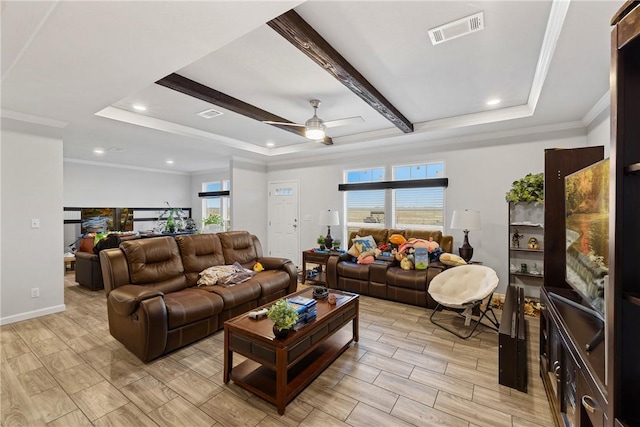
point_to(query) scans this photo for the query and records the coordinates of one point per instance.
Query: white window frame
(393, 222)
(389, 200)
(346, 211)
(225, 210)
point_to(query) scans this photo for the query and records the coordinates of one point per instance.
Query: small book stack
(306, 308)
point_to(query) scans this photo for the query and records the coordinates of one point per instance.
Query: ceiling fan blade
(269, 122)
(343, 122)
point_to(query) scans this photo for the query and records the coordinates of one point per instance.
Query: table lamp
(329, 218)
(465, 220)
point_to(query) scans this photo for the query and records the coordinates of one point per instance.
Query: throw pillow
(451, 259)
(361, 244)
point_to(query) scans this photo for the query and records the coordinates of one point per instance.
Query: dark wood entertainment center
(600, 386)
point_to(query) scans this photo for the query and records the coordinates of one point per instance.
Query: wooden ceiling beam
(205, 93)
(298, 32)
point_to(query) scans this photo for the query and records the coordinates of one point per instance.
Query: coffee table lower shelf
(261, 380)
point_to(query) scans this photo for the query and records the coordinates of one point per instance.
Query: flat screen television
(587, 232)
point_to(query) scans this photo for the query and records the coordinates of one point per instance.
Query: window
(217, 205)
(414, 198)
(418, 207)
(365, 208)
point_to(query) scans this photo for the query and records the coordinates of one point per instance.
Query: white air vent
(456, 29)
(210, 113)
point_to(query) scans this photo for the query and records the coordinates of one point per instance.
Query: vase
(280, 333)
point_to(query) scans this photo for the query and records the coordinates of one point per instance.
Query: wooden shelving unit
(527, 219)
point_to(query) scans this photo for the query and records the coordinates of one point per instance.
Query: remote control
(258, 314)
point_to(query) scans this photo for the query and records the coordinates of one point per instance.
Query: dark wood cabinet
(624, 273)
(600, 386)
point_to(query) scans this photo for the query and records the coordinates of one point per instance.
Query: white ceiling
(82, 65)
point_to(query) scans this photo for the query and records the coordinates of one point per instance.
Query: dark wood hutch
(600, 387)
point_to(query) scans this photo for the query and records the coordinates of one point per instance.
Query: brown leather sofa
(154, 304)
(384, 278)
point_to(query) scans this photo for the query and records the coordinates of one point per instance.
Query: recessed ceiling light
(271, 144)
(493, 102)
(139, 107)
(169, 162)
(98, 151)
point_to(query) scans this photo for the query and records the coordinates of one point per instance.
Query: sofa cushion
(380, 235)
(272, 281)
(190, 305)
(155, 262)
(199, 251)
(238, 246)
(353, 271)
(409, 279)
(237, 295)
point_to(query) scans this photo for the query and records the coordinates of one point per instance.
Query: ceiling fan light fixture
(314, 129)
(314, 134)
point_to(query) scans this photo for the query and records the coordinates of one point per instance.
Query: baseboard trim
(32, 314)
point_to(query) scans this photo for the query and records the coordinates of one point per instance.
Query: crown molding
(30, 118)
(119, 166)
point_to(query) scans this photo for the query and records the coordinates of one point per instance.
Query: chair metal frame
(469, 306)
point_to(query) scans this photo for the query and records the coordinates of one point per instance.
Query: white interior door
(284, 230)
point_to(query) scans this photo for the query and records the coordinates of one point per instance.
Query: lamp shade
(329, 217)
(465, 220)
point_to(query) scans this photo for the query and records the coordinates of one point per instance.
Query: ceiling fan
(315, 127)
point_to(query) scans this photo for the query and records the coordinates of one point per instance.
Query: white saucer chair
(463, 288)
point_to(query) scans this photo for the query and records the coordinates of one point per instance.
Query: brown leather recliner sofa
(154, 304)
(385, 279)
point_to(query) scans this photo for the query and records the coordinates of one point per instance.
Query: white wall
(599, 132)
(478, 179)
(249, 198)
(94, 185)
(31, 186)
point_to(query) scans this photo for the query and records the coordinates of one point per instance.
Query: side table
(320, 258)
(69, 263)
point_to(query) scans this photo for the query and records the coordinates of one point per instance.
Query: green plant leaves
(528, 189)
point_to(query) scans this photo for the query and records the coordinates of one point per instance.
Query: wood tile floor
(65, 369)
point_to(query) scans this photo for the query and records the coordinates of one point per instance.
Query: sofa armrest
(332, 269)
(115, 269)
(125, 299)
(273, 263)
(86, 256)
(284, 264)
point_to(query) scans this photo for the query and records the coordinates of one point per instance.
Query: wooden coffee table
(277, 370)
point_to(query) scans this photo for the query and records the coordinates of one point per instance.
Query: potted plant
(528, 189)
(320, 241)
(283, 316)
(336, 244)
(213, 222)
